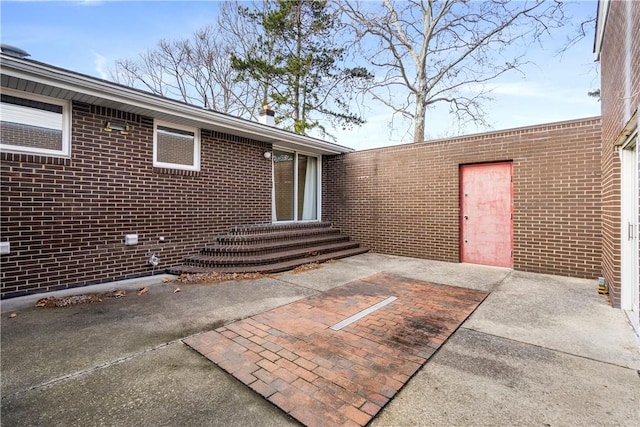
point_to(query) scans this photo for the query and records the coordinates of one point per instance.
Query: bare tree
(242, 37)
(195, 70)
(444, 51)
(583, 30)
(214, 78)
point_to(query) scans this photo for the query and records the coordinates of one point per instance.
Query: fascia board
(601, 23)
(624, 138)
(79, 83)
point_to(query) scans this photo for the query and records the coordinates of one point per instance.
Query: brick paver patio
(323, 376)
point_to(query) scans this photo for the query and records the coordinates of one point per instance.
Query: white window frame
(196, 146)
(65, 151)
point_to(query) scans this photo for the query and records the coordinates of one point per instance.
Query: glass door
(295, 187)
(283, 183)
(630, 274)
(307, 188)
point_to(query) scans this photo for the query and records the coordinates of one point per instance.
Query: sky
(89, 36)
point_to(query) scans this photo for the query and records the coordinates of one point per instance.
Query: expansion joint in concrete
(549, 349)
(90, 370)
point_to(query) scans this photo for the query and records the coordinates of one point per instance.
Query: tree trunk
(419, 119)
(297, 85)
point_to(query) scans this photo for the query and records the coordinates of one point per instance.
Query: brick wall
(620, 90)
(404, 200)
(66, 218)
(31, 136)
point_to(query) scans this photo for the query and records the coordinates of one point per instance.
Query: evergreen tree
(296, 60)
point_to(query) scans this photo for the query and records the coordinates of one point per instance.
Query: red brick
(355, 414)
(270, 356)
(370, 408)
(245, 377)
(304, 374)
(282, 401)
(268, 366)
(308, 417)
(265, 390)
(331, 400)
(285, 375)
(305, 386)
(342, 394)
(265, 376)
(229, 334)
(304, 363)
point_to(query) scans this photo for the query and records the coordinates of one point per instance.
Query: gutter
(601, 22)
(86, 85)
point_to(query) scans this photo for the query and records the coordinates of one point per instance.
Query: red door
(486, 229)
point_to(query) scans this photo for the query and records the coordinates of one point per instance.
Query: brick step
(268, 228)
(269, 268)
(270, 258)
(270, 245)
(268, 248)
(276, 234)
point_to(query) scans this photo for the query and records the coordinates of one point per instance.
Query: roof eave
(79, 83)
(601, 21)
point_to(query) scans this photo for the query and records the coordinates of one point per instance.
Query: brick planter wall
(404, 200)
(66, 218)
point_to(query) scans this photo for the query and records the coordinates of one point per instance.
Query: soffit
(40, 79)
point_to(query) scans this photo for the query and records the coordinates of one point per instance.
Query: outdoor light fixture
(267, 154)
(117, 125)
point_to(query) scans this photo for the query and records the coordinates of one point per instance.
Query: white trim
(601, 23)
(196, 146)
(629, 235)
(81, 84)
(320, 188)
(296, 190)
(274, 218)
(43, 119)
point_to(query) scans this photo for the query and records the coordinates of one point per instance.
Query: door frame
(629, 235)
(461, 204)
(295, 219)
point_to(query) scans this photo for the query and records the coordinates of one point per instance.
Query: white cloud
(526, 89)
(89, 2)
(100, 63)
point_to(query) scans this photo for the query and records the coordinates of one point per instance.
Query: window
(176, 147)
(34, 124)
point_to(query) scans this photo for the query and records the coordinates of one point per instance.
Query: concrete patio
(540, 350)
